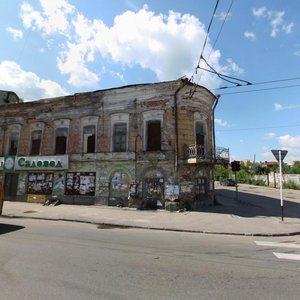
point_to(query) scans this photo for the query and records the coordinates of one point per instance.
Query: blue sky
(58, 47)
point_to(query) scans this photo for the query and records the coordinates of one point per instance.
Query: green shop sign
(42, 163)
(55, 162)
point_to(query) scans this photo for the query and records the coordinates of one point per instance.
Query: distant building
(138, 145)
(7, 97)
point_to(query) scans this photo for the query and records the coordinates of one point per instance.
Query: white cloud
(250, 35)
(16, 34)
(270, 135)
(165, 44)
(224, 16)
(27, 85)
(289, 141)
(288, 28)
(52, 18)
(220, 122)
(242, 141)
(72, 62)
(232, 67)
(292, 144)
(279, 107)
(276, 20)
(259, 12)
(297, 53)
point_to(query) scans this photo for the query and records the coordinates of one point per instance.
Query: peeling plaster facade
(139, 146)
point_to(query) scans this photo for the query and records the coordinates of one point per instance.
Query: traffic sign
(276, 154)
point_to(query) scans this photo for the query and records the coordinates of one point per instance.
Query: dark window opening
(61, 141)
(89, 138)
(200, 134)
(13, 145)
(120, 138)
(36, 139)
(153, 136)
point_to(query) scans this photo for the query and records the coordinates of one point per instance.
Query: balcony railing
(197, 153)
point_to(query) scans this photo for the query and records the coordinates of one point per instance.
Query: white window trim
(89, 121)
(116, 119)
(61, 123)
(36, 126)
(12, 128)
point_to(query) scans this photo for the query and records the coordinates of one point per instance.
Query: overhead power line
(258, 83)
(258, 128)
(219, 33)
(265, 89)
(208, 29)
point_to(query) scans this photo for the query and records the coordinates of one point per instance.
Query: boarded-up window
(61, 135)
(13, 143)
(36, 139)
(89, 139)
(120, 137)
(153, 135)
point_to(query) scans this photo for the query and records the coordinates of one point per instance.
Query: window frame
(148, 116)
(120, 118)
(89, 121)
(58, 143)
(156, 145)
(17, 134)
(86, 135)
(123, 143)
(34, 151)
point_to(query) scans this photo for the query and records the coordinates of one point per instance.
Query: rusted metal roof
(7, 97)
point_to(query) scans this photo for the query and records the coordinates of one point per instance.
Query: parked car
(228, 182)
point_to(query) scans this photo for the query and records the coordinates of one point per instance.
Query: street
(66, 260)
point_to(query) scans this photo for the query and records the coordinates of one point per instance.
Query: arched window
(61, 136)
(36, 141)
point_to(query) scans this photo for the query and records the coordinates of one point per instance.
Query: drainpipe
(214, 145)
(213, 126)
(183, 84)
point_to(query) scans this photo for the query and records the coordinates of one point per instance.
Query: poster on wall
(120, 182)
(40, 183)
(80, 183)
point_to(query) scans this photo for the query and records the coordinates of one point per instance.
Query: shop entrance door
(10, 186)
(154, 193)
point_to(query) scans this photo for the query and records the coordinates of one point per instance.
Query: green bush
(291, 185)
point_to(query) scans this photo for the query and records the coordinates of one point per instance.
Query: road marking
(278, 245)
(287, 256)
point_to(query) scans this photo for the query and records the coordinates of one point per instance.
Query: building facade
(139, 146)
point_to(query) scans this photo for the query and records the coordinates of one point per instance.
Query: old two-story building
(140, 145)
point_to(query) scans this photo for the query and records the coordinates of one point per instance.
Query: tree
(295, 169)
(221, 171)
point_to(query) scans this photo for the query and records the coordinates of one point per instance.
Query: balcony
(197, 154)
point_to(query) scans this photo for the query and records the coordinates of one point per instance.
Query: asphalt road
(65, 260)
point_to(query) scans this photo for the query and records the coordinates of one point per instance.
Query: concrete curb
(156, 228)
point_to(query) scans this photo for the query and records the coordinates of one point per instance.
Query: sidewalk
(229, 217)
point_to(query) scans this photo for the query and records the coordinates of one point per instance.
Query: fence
(1, 197)
(273, 179)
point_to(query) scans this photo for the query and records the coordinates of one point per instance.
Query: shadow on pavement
(250, 205)
(6, 228)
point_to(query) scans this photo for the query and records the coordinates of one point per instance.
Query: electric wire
(208, 29)
(205, 40)
(258, 128)
(257, 83)
(224, 20)
(258, 90)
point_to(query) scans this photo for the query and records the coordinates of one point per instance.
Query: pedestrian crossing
(285, 245)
